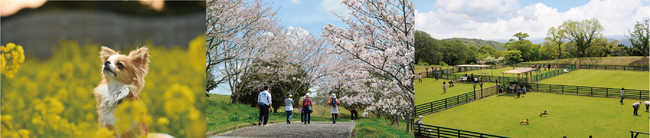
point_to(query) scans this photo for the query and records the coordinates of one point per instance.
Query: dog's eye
(119, 65)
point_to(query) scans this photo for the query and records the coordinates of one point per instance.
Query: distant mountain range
(498, 43)
(478, 42)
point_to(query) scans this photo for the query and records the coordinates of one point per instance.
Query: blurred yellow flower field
(53, 97)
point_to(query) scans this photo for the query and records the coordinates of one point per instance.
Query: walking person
(354, 115)
(420, 77)
(334, 107)
(518, 90)
(636, 107)
(264, 102)
(524, 90)
(288, 108)
(306, 109)
(444, 87)
(300, 109)
(622, 94)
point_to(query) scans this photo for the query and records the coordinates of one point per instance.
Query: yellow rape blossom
(178, 98)
(12, 56)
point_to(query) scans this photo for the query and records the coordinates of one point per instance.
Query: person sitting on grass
(444, 87)
(510, 88)
(636, 107)
(419, 120)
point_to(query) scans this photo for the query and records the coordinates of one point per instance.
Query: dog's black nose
(106, 63)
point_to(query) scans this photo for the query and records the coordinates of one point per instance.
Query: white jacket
(264, 97)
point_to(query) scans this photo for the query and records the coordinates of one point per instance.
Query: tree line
(571, 39)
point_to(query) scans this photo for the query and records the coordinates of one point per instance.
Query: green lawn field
(380, 128)
(571, 116)
(603, 78)
(497, 72)
(431, 89)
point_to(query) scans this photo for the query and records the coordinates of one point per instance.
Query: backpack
(305, 103)
(334, 103)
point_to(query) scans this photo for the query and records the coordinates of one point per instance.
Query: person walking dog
(288, 108)
(334, 107)
(264, 103)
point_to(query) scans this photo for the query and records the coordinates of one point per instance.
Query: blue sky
(500, 19)
(310, 15)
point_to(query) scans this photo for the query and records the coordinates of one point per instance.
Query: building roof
(474, 66)
(519, 71)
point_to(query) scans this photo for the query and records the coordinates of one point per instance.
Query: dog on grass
(543, 113)
(122, 80)
(524, 121)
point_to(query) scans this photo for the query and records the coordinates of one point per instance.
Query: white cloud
(466, 19)
(334, 6)
(295, 1)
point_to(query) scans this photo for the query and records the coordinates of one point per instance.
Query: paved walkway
(295, 129)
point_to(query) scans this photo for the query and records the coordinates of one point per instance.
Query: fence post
(445, 102)
(431, 106)
(606, 92)
(592, 91)
(562, 89)
(639, 94)
(577, 90)
(549, 88)
(458, 133)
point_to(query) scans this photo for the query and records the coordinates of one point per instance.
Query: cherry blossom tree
(235, 30)
(378, 42)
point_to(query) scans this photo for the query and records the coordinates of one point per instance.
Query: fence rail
(614, 67)
(449, 102)
(424, 130)
(434, 106)
(590, 91)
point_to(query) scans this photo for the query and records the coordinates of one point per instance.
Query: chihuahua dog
(122, 80)
(524, 121)
(543, 113)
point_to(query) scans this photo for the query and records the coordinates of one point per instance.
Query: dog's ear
(105, 53)
(140, 57)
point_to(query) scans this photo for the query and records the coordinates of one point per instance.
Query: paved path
(295, 129)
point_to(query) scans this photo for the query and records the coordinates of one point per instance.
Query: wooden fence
(439, 105)
(424, 130)
(590, 91)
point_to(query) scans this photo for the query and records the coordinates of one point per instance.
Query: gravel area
(295, 129)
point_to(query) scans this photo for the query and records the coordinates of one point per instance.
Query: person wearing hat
(419, 120)
(288, 108)
(334, 107)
